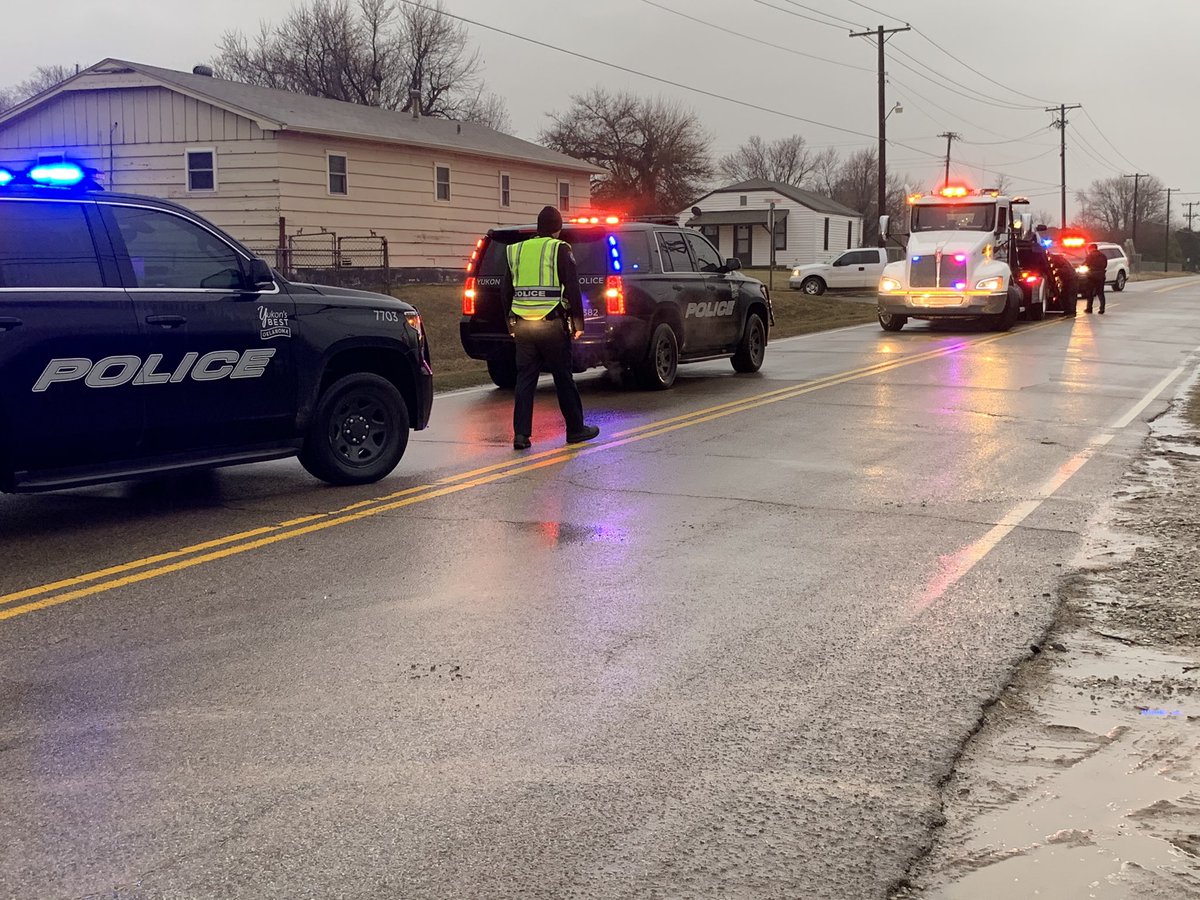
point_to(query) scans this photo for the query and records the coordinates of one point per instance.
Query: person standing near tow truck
(541, 291)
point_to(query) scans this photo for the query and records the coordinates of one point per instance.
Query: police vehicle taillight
(468, 297)
(614, 295)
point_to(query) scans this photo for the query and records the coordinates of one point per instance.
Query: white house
(275, 168)
(807, 227)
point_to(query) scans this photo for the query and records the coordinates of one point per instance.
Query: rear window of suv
(590, 247)
(46, 245)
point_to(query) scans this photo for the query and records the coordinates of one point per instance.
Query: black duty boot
(588, 433)
(520, 442)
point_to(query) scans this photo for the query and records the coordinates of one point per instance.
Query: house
(808, 227)
(324, 178)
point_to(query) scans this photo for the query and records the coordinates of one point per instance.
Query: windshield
(954, 217)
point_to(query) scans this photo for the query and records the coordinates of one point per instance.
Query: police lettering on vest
(537, 290)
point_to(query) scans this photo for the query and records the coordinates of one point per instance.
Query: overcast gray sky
(1133, 66)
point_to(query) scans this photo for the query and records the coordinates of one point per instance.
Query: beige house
(807, 227)
(271, 166)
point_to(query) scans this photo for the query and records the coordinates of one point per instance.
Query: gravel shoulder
(1084, 777)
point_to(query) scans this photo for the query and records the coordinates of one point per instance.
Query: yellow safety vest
(537, 290)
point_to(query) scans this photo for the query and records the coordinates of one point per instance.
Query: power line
(1093, 153)
(1088, 115)
(791, 12)
(877, 12)
(976, 97)
(827, 15)
(660, 80)
(976, 71)
(896, 81)
(748, 37)
(1019, 140)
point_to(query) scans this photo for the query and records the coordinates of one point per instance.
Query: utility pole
(1189, 215)
(881, 36)
(1061, 124)
(951, 137)
(1137, 177)
(1167, 232)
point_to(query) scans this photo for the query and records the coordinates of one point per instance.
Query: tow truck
(961, 262)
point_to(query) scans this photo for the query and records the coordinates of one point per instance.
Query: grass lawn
(440, 306)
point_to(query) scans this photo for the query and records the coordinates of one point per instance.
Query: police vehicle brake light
(614, 295)
(468, 297)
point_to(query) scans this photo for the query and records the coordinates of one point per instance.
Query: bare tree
(787, 160)
(371, 52)
(856, 184)
(654, 151)
(43, 78)
(1107, 204)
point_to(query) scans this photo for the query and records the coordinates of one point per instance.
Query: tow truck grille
(953, 271)
(924, 271)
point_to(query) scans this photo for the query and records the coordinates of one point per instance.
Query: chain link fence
(349, 260)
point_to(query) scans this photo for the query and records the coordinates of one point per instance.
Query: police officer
(542, 286)
(1097, 270)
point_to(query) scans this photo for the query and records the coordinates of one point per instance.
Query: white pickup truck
(854, 270)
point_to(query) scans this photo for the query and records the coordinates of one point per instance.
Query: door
(742, 244)
(841, 274)
(721, 288)
(856, 269)
(220, 366)
(690, 290)
(69, 343)
(870, 270)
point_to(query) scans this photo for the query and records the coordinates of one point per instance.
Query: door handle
(8, 323)
(166, 321)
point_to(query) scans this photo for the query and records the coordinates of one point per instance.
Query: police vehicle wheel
(359, 431)
(812, 285)
(503, 372)
(892, 321)
(657, 371)
(753, 346)
(1119, 284)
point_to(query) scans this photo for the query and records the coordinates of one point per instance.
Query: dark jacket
(569, 277)
(1097, 264)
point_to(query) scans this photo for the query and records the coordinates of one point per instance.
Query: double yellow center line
(136, 571)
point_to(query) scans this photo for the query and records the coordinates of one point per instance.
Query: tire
(1004, 321)
(358, 432)
(752, 348)
(1119, 284)
(1037, 311)
(658, 370)
(503, 372)
(813, 285)
(892, 321)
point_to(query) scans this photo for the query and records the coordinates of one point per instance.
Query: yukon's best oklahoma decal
(274, 323)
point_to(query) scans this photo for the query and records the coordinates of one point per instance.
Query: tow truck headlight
(990, 284)
(888, 285)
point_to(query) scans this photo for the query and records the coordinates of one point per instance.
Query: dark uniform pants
(1095, 289)
(544, 344)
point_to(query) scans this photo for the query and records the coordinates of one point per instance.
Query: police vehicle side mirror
(260, 276)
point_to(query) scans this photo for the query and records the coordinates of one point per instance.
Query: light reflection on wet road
(696, 663)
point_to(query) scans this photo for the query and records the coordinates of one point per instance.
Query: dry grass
(440, 309)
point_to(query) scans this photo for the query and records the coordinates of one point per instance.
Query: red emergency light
(1073, 241)
(1030, 277)
(596, 220)
(614, 295)
(953, 191)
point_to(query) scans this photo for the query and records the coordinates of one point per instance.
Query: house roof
(277, 110)
(813, 201)
(738, 217)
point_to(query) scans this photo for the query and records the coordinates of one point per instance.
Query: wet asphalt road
(719, 654)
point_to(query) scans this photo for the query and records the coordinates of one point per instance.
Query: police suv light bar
(57, 174)
(5, 177)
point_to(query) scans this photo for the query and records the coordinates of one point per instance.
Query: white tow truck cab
(960, 260)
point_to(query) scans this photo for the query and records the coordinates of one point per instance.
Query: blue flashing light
(615, 251)
(960, 285)
(616, 265)
(5, 177)
(916, 259)
(1047, 242)
(60, 174)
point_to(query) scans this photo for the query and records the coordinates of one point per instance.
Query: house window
(442, 182)
(742, 200)
(202, 170)
(741, 242)
(780, 233)
(827, 232)
(849, 235)
(564, 196)
(505, 190)
(713, 233)
(338, 183)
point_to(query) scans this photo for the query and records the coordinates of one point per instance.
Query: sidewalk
(1084, 779)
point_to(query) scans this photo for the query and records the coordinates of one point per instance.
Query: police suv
(137, 338)
(654, 294)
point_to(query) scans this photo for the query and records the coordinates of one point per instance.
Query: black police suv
(655, 295)
(136, 338)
